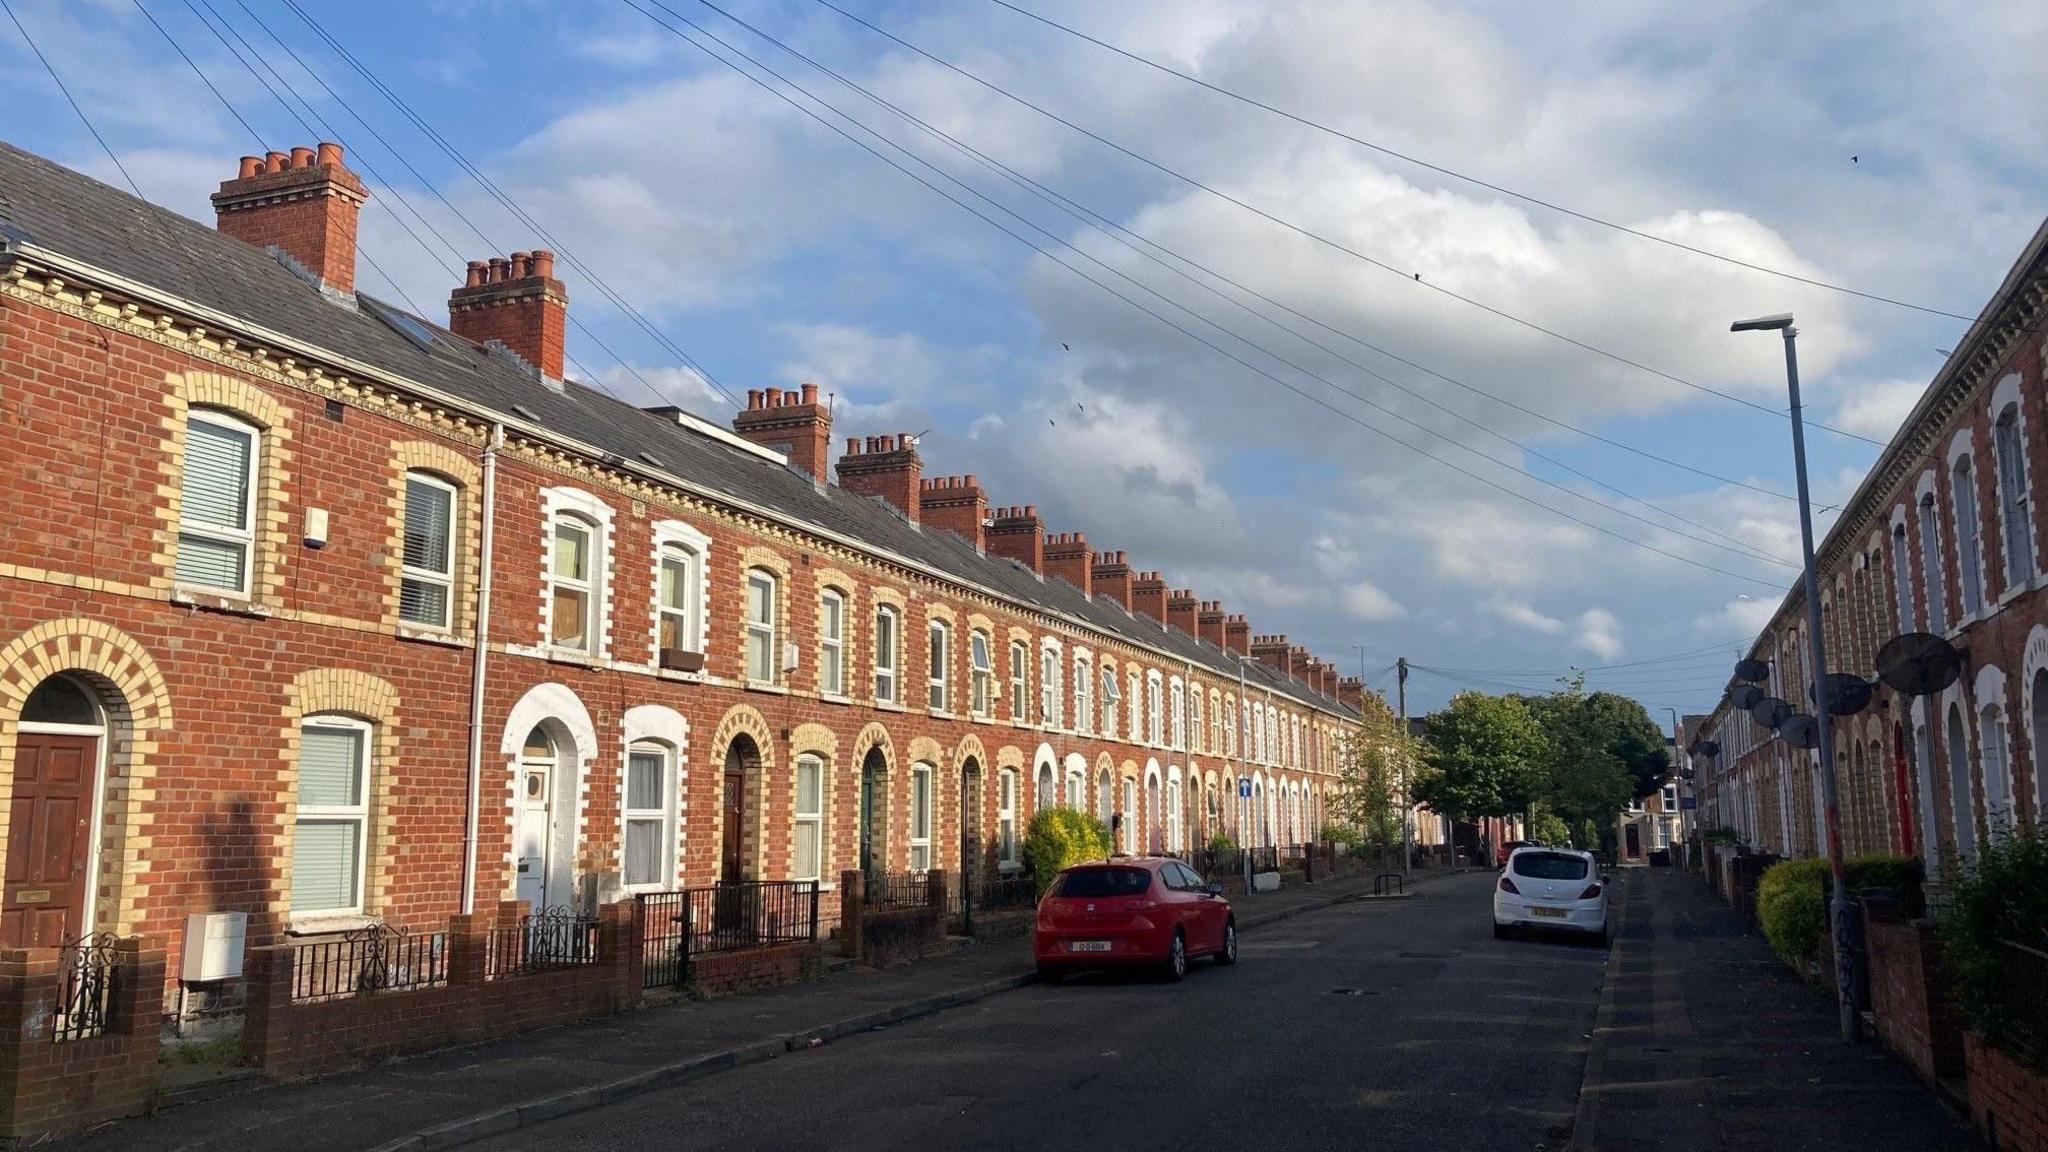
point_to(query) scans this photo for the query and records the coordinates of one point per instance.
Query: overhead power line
(1101, 224)
(1042, 250)
(1476, 181)
(1409, 275)
(69, 99)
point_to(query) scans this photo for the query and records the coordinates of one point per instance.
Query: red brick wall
(1913, 1016)
(50, 1087)
(2008, 1101)
(728, 973)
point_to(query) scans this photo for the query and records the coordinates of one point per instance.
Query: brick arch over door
(744, 720)
(357, 694)
(137, 701)
(562, 711)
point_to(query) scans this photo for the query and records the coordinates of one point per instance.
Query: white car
(1553, 888)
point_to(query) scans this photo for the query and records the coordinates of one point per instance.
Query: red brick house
(330, 614)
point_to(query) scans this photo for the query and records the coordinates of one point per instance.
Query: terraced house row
(312, 609)
(1944, 536)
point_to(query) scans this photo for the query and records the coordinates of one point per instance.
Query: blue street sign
(1688, 803)
(1244, 787)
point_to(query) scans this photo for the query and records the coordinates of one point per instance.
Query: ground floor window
(921, 818)
(647, 824)
(810, 777)
(1006, 816)
(333, 816)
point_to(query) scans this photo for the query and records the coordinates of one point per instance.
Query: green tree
(1601, 746)
(1371, 761)
(1483, 756)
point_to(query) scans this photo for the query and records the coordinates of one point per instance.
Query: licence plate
(1554, 913)
(1087, 945)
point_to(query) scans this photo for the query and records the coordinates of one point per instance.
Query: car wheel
(1051, 973)
(1176, 956)
(1228, 953)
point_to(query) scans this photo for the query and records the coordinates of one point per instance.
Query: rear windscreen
(1086, 882)
(1550, 866)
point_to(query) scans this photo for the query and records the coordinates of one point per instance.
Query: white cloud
(1875, 410)
(1521, 615)
(1599, 633)
(1740, 619)
(1366, 601)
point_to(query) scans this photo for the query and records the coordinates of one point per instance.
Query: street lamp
(1838, 904)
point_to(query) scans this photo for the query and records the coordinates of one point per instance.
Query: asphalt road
(1372, 1025)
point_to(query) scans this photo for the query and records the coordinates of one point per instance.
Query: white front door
(533, 840)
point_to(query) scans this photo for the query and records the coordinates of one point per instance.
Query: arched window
(888, 642)
(1105, 797)
(1049, 686)
(1077, 789)
(426, 586)
(1046, 795)
(982, 670)
(1902, 579)
(1195, 729)
(1969, 553)
(1137, 708)
(679, 601)
(217, 504)
(2012, 497)
(832, 643)
(60, 700)
(808, 859)
(1006, 816)
(1130, 823)
(761, 605)
(1084, 695)
(937, 696)
(921, 818)
(1173, 815)
(1991, 751)
(649, 833)
(572, 589)
(1930, 566)
(1155, 728)
(1177, 707)
(1109, 699)
(1019, 683)
(1962, 799)
(331, 828)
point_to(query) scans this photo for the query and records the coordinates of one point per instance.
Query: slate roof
(66, 212)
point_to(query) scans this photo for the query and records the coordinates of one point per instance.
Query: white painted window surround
(576, 571)
(217, 505)
(2009, 455)
(682, 555)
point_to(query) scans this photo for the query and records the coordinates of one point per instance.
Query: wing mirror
(1213, 889)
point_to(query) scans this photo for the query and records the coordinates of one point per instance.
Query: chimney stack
(1111, 573)
(1067, 558)
(885, 466)
(1209, 622)
(792, 423)
(1298, 660)
(1351, 690)
(1271, 651)
(1019, 535)
(956, 504)
(1183, 610)
(1237, 634)
(1148, 596)
(304, 204)
(518, 302)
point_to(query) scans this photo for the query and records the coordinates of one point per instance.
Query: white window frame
(762, 631)
(888, 652)
(1934, 606)
(1136, 712)
(1195, 730)
(589, 584)
(689, 615)
(1130, 811)
(831, 645)
(1084, 694)
(664, 816)
(1155, 720)
(810, 823)
(444, 580)
(357, 814)
(981, 674)
(938, 680)
(1173, 812)
(1049, 685)
(921, 778)
(1020, 682)
(2015, 508)
(245, 536)
(1902, 573)
(1670, 797)
(1177, 707)
(1962, 487)
(1077, 788)
(1110, 694)
(1006, 818)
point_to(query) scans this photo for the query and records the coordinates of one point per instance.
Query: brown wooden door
(735, 813)
(48, 836)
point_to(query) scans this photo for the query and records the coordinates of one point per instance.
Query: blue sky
(772, 251)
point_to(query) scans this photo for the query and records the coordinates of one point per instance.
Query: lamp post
(1838, 904)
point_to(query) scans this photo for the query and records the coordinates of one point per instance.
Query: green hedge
(1058, 838)
(2001, 898)
(1791, 900)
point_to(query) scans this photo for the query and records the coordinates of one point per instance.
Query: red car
(1507, 849)
(1131, 910)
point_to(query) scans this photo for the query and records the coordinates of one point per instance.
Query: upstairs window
(1049, 687)
(1179, 709)
(1155, 729)
(1137, 693)
(217, 507)
(1084, 699)
(1930, 566)
(1195, 719)
(832, 643)
(1969, 550)
(680, 599)
(572, 594)
(426, 586)
(941, 654)
(2012, 498)
(1019, 696)
(982, 673)
(760, 626)
(887, 644)
(1109, 698)
(1902, 579)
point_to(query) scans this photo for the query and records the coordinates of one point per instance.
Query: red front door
(48, 836)
(735, 811)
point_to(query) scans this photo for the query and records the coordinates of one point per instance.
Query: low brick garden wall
(730, 973)
(2008, 1100)
(1915, 1018)
(57, 1074)
(288, 1037)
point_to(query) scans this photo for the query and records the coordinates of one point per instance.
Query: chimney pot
(251, 165)
(329, 155)
(302, 158)
(498, 268)
(522, 265)
(771, 397)
(810, 393)
(274, 161)
(477, 271)
(544, 263)
(753, 399)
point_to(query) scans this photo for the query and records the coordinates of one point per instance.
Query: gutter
(216, 320)
(473, 808)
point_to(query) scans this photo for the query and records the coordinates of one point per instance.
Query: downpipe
(481, 658)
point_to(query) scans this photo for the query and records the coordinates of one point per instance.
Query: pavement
(1704, 1040)
(461, 1095)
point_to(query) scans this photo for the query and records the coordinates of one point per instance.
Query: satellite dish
(1710, 748)
(1918, 664)
(1685, 773)
(1848, 694)
(1752, 670)
(1745, 696)
(1770, 711)
(1800, 731)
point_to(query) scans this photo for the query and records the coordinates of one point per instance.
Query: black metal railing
(370, 959)
(897, 890)
(2023, 1001)
(88, 977)
(1293, 857)
(1265, 859)
(724, 917)
(1002, 892)
(546, 940)
(1217, 865)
